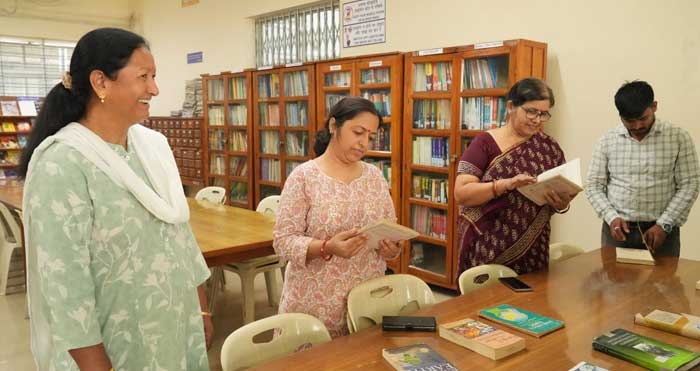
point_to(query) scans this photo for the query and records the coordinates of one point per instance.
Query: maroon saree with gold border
(509, 230)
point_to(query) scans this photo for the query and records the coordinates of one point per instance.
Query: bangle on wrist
(493, 188)
(562, 211)
(324, 254)
(206, 314)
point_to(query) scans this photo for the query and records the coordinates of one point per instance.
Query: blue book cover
(522, 320)
(416, 357)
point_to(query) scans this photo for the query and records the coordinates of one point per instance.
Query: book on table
(682, 324)
(586, 366)
(416, 357)
(522, 320)
(482, 338)
(634, 256)
(646, 352)
(564, 178)
(386, 230)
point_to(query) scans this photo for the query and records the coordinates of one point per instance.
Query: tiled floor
(14, 341)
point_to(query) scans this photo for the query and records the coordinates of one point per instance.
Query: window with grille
(31, 67)
(307, 33)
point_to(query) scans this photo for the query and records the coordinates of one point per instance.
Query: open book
(634, 256)
(564, 178)
(386, 230)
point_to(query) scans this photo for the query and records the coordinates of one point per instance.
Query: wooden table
(227, 234)
(224, 233)
(11, 194)
(590, 292)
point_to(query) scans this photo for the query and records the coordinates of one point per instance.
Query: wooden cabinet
(451, 95)
(284, 124)
(227, 136)
(378, 78)
(185, 138)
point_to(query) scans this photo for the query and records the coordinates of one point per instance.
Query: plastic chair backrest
(269, 205)
(391, 295)
(483, 275)
(13, 231)
(293, 331)
(212, 194)
(561, 251)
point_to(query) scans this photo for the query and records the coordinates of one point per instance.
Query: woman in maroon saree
(497, 225)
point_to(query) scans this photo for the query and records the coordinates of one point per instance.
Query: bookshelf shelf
(15, 128)
(444, 93)
(284, 101)
(378, 78)
(229, 139)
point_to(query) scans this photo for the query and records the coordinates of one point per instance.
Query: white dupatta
(167, 202)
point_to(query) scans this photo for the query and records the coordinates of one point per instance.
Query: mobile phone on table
(515, 284)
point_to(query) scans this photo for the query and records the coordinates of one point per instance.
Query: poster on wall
(364, 22)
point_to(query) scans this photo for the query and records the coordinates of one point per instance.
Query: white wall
(594, 46)
(222, 29)
(62, 20)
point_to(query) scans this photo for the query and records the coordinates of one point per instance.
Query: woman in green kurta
(114, 272)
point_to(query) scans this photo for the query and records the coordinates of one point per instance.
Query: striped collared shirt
(656, 178)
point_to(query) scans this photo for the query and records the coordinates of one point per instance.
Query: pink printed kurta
(315, 206)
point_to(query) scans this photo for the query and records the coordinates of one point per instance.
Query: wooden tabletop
(226, 234)
(11, 193)
(590, 293)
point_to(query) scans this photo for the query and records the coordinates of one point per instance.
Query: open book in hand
(634, 256)
(564, 178)
(386, 230)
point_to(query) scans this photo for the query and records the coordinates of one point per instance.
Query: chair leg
(248, 290)
(215, 280)
(5, 258)
(273, 292)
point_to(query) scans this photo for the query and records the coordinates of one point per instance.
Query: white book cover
(27, 107)
(386, 230)
(634, 256)
(564, 178)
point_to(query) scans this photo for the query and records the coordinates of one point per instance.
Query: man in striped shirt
(643, 177)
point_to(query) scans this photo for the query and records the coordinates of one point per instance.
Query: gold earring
(102, 98)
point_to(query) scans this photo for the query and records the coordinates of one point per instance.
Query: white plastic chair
(391, 295)
(10, 241)
(561, 251)
(212, 194)
(480, 276)
(293, 331)
(248, 269)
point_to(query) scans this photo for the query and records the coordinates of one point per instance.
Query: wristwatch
(666, 227)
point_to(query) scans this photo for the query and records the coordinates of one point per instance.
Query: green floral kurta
(105, 270)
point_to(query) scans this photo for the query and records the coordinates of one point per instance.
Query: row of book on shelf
(297, 114)
(295, 85)
(494, 343)
(368, 76)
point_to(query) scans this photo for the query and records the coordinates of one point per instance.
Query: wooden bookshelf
(283, 121)
(451, 95)
(185, 138)
(378, 78)
(227, 136)
(15, 127)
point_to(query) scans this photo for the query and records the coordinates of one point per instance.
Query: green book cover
(520, 319)
(645, 352)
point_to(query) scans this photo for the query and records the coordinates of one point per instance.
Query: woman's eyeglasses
(532, 114)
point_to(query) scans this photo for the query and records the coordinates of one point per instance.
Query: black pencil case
(408, 323)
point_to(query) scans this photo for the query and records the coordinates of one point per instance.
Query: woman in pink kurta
(323, 203)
